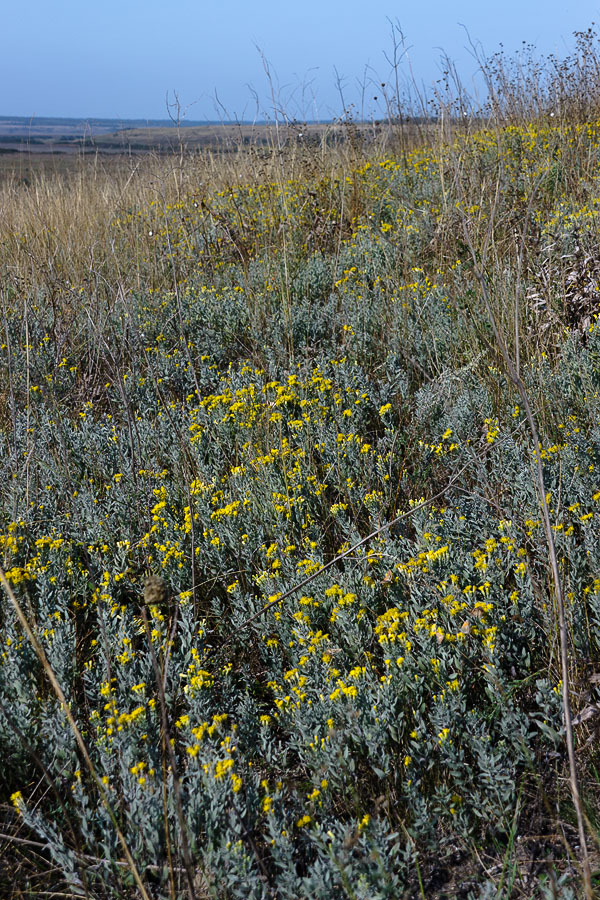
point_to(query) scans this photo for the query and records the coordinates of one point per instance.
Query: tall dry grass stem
(156, 589)
(49, 672)
(512, 370)
(305, 581)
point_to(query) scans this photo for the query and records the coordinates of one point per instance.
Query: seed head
(156, 592)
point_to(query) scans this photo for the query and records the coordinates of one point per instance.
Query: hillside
(274, 521)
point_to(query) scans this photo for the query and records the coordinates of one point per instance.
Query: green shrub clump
(235, 435)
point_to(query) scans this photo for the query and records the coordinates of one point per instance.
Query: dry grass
(57, 212)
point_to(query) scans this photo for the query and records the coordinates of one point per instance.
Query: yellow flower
(222, 767)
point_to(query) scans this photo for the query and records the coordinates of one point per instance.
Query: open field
(66, 137)
(280, 616)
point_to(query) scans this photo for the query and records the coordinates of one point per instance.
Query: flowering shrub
(233, 438)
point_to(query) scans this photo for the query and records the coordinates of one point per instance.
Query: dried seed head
(155, 591)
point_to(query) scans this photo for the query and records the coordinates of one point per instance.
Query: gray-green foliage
(233, 439)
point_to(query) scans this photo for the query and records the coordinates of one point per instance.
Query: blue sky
(118, 58)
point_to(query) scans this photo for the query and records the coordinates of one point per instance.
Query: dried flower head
(156, 592)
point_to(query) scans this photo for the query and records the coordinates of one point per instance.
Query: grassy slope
(226, 373)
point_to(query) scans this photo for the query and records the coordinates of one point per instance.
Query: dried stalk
(156, 587)
(336, 559)
(513, 372)
(41, 655)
